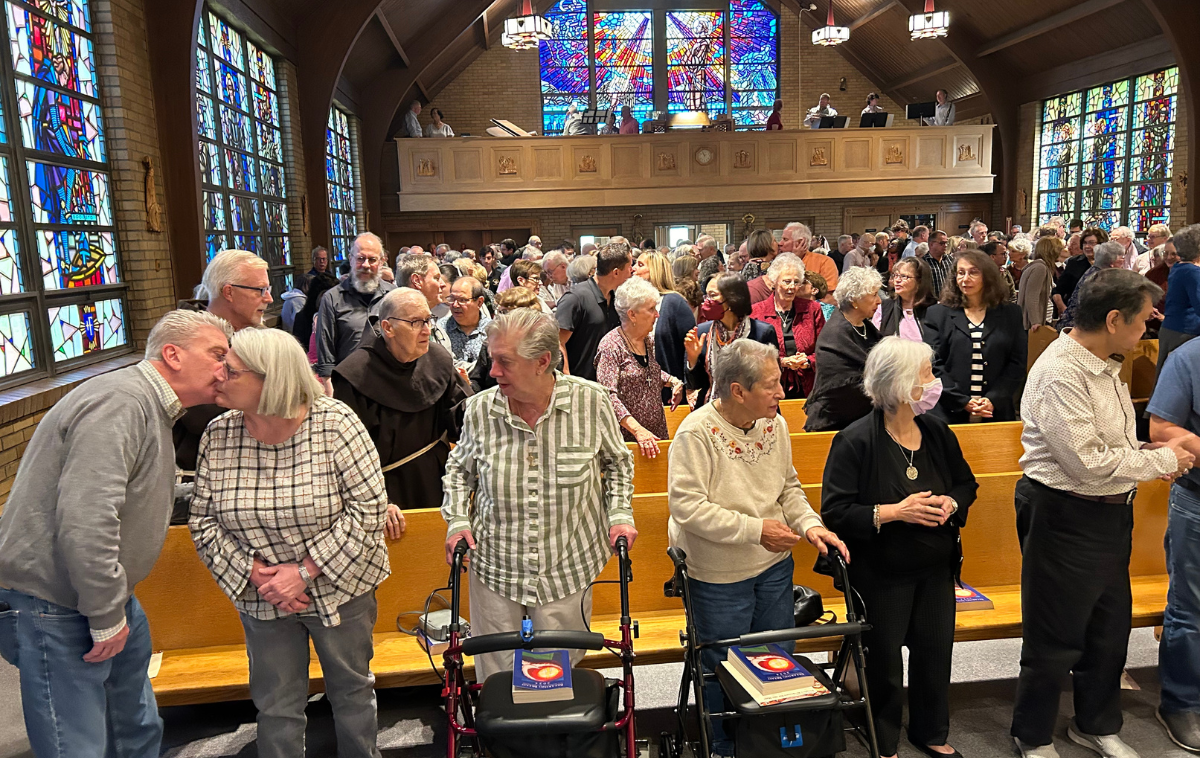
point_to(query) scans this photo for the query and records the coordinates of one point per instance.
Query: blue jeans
(75, 709)
(1179, 650)
(759, 604)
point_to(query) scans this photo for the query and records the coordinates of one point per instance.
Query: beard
(368, 286)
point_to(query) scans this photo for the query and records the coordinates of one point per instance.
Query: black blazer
(1005, 351)
(698, 379)
(889, 323)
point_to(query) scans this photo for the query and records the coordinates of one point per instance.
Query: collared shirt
(816, 113)
(941, 270)
(465, 347)
(341, 320)
(412, 125)
(1129, 257)
(544, 498)
(319, 494)
(588, 315)
(943, 115)
(1080, 427)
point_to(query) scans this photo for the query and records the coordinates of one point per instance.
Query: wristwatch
(305, 575)
(953, 506)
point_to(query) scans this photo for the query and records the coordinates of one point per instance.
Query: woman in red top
(775, 121)
(797, 321)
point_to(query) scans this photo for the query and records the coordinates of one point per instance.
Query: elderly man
(941, 262)
(464, 327)
(542, 475)
(1106, 255)
(1082, 463)
(573, 125)
(860, 254)
(737, 260)
(822, 110)
(419, 271)
(1156, 235)
(978, 231)
(554, 268)
(1181, 315)
(796, 238)
(943, 112)
(320, 262)
(586, 313)
(84, 524)
(412, 125)
(345, 308)
(919, 235)
(845, 243)
(408, 396)
(1130, 252)
(706, 247)
(737, 507)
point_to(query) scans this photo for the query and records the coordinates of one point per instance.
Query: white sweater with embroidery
(723, 484)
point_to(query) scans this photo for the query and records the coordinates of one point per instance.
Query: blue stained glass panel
(210, 164)
(1149, 195)
(16, 343)
(245, 214)
(42, 49)
(571, 81)
(752, 50)
(203, 75)
(248, 243)
(1064, 106)
(748, 6)
(1102, 198)
(1105, 172)
(76, 330)
(73, 12)
(625, 25)
(751, 117)
(1101, 219)
(58, 123)
(623, 80)
(276, 217)
(558, 52)
(277, 251)
(1154, 167)
(1059, 155)
(1063, 130)
(568, 6)
(262, 66)
(242, 172)
(266, 107)
(213, 244)
(272, 180)
(745, 77)
(205, 120)
(760, 24)
(225, 41)
(1154, 112)
(231, 86)
(1058, 178)
(214, 211)
(1105, 122)
(1058, 202)
(6, 214)
(63, 195)
(77, 258)
(1104, 147)
(569, 25)
(754, 99)
(269, 144)
(235, 129)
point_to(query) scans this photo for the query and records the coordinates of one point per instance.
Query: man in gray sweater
(84, 523)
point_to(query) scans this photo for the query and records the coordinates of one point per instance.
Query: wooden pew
(791, 410)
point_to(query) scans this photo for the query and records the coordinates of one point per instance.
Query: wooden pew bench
(204, 659)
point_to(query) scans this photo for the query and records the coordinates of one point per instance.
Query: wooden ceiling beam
(1046, 25)
(874, 13)
(927, 72)
(391, 33)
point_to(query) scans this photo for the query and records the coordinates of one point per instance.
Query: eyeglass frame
(263, 292)
(427, 321)
(232, 373)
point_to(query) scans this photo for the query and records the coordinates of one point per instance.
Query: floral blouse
(635, 390)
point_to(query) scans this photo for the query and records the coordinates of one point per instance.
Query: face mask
(929, 397)
(711, 310)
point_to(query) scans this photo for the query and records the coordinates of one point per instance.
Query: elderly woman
(625, 363)
(979, 346)
(910, 293)
(737, 507)
(288, 515)
(897, 487)
(1019, 251)
(837, 397)
(1037, 284)
(725, 314)
(675, 315)
(797, 321)
(581, 268)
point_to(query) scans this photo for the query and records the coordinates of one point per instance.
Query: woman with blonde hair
(675, 315)
(1037, 284)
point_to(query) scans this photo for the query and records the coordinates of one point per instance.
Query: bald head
(403, 302)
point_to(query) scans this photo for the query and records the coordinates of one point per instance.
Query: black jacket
(698, 378)
(1005, 351)
(837, 398)
(889, 323)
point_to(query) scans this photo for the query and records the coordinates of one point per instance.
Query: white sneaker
(1107, 745)
(1041, 751)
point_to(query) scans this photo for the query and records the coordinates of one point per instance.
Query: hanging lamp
(831, 34)
(527, 30)
(929, 24)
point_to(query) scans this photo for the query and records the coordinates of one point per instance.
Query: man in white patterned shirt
(1082, 464)
(552, 483)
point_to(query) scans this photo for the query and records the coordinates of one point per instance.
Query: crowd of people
(503, 385)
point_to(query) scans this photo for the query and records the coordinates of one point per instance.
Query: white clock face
(704, 156)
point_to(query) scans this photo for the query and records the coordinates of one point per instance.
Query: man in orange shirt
(796, 238)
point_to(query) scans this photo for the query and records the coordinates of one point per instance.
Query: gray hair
(226, 267)
(1187, 242)
(1021, 244)
(581, 269)
(844, 238)
(893, 369)
(536, 333)
(179, 327)
(367, 238)
(413, 264)
(634, 294)
(389, 306)
(1108, 253)
(288, 383)
(783, 263)
(857, 282)
(554, 259)
(531, 253)
(744, 362)
(706, 241)
(921, 249)
(1124, 232)
(975, 225)
(805, 232)
(315, 251)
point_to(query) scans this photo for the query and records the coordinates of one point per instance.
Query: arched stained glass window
(625, 61)
(696, 62)
(241, 149)
(61, 297)
(341, 177)
(565, 64)
(1106, 154)
(753, 54)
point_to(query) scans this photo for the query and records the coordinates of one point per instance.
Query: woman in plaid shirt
(288, 514)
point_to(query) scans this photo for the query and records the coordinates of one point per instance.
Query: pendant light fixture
(929, 24)
(831, 34)
(525, 31)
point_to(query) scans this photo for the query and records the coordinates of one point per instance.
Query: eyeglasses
(262, 291)
(456, 300)
(901, 278)
(233, 373)
(363, 260)
(971, 273)
(416, 323)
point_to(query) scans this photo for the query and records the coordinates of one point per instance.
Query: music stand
(509, 128)
(873, 120)
(920, 110)
(595, 116)
(833, 122)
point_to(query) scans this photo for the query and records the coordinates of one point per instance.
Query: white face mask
(930, 393)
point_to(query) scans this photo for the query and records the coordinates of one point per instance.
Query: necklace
(862, 334)
(909, 455)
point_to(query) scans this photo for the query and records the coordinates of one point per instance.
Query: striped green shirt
(542, 508)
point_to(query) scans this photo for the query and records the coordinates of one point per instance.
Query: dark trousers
(919, 615)
(1075, 608)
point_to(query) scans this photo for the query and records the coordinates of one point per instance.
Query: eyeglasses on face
(233, 373)
(416, 323)
(969, 273)
(901, 278)
(263, 292)
(456, 300)
(366, 260)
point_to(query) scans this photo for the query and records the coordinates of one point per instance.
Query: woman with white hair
(581, 268)
(797, 320)
(897, 487)
(288, 515)
(837, 396)
(737, 508)
(626, 365)
(1019, 250)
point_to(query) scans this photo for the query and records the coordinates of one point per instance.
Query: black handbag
(806, 604)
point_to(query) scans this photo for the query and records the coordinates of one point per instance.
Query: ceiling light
(525, 31)
(929, 24)
(831, 34)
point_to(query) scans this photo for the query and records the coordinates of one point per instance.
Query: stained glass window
(341, 178)
(59, 272)
(719, 61)
(241, 149)
(1106, 154)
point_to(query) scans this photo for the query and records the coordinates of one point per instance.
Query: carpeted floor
(411, 724)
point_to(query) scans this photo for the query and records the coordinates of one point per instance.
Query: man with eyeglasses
(554, 267)
(465, 325)
(941, 263)
(345, 308)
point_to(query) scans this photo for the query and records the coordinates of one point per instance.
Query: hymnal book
(816, 689)
(968, 598)
(541, 677)
(434, 647)
(769, 669)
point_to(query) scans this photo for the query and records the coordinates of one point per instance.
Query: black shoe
(1183, 728)
(933, 753)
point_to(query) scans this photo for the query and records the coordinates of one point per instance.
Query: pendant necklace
(909, 455)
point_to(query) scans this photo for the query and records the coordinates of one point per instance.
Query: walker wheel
(666, 746)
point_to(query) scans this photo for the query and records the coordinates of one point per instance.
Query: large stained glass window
(1105, 154)
(61, 296)
(244, 199)
(341, 179)
(716, 60)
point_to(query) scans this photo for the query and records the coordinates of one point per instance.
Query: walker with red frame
(483, 720)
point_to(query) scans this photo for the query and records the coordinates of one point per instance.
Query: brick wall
(500, 83)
